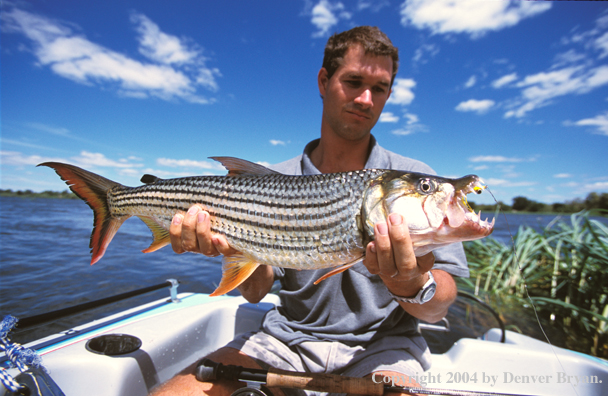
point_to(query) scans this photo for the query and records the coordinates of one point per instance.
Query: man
(364, 320)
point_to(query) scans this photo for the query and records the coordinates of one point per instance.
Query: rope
(20, 357)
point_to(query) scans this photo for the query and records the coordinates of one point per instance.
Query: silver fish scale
(302, 222)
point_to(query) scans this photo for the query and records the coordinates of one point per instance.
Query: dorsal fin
(237, 166)
(149, 179)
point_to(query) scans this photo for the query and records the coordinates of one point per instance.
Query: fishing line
(521, 272)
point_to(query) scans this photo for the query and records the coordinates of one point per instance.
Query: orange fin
(160, 234)
(337, 270)
(236, 269)
(93, 189)
(237, 166)
(102, 236)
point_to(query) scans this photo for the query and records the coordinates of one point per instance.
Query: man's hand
(391, 256)
(191, 232)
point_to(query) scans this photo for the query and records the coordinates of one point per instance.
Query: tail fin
(93, 189)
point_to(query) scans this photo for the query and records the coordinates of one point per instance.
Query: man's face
(353, 98)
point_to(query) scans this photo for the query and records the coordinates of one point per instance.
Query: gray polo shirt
(354, 306)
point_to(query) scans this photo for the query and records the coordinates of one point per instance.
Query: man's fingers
(221, 245)
(426, 262)
(175, 233)
(191, 232)
(203, 234)
(384, 250)
(189, 237)
(371, 259)
(403, 251)
(394, 256)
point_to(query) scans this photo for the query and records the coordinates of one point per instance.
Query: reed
(565, 268)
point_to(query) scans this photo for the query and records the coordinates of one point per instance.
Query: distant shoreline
(45, 194)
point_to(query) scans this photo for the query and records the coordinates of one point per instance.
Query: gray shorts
(399, 354)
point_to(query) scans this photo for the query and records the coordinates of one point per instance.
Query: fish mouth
(461, 220)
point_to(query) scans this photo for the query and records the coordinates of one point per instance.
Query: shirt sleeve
(452, 260)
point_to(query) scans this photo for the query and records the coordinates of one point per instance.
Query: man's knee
(186, 382)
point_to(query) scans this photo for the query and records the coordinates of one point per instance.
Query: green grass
(566, 275)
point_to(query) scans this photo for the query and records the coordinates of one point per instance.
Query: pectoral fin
(337, 270)
(160, 234)
(235, 270)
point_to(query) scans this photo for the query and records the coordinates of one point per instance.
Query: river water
(44, 261)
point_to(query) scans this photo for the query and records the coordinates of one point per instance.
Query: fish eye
(426, 186)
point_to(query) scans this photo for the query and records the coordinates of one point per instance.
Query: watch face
(428, 293)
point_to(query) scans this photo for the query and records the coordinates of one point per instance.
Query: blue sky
(515, 92)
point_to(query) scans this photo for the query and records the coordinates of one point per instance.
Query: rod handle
(323, 382)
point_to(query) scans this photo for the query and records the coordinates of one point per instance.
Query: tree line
(522, 204)
(30, 194)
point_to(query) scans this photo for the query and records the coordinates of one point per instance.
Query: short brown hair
(373, 41)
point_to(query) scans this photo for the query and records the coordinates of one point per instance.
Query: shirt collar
(377, 157)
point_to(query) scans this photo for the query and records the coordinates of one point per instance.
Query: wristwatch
(425, 294)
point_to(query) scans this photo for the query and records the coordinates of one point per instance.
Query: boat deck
(175, 335)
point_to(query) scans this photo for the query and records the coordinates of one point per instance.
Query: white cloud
(60, 131)
(572, 73)
(404, 131)
(275, 142)
(73, 56)
(137, 173)
(594, 38)
(562, 175)
(5, 141)
(326, 15)
(85, 160)
(597, 186)
(411, 118)
(186, 163)
(539, 89)
(388, 117)
(472, 17)
(402, 92)
(569, 57)
(478, 106)
(601, 43)
(504, 80)
(470, 82)
(599, 121)
(374, 6)
(88, 159)
(159, 46)
(412, 125)
(16, 158)
(508, 183)
(497, 158)
(426, 49)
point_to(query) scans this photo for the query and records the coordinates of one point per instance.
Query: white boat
(174, 334)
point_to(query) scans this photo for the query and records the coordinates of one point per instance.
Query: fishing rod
(35, 320)
(208, 371)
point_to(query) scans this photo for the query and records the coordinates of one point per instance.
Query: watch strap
(417, 299)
